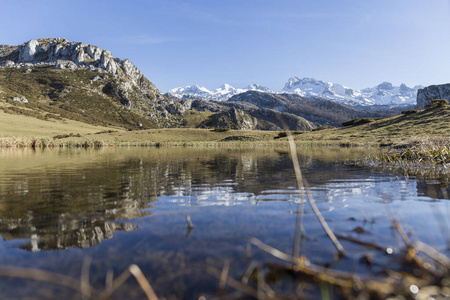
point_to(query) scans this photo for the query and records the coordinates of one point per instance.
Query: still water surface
(128, 206)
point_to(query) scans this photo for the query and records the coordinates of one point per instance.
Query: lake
(112, 207)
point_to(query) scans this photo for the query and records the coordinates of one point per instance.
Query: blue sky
(207, 42)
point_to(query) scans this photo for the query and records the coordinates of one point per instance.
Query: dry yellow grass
(20, 126)
(431, 124)
(425, 125)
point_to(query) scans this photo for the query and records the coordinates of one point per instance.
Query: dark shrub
(437, 103)
(357, 122)
(221, 129)
(323, 128)
(409, 112)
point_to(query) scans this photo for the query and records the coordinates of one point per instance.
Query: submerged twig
(233, 283)
(189, 222)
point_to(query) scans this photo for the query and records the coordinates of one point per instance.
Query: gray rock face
(68, 55)
(432, 92)
(135, 91)
(20, 99)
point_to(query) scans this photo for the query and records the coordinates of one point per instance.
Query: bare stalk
(44, 276)
(302, 184)
(85, 286)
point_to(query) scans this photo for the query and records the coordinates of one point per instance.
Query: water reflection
(54, 200)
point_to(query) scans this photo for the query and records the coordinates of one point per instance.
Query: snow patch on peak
(258, 87)
(383, 94)
(222, 93)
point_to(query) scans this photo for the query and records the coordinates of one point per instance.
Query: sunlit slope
(19, 126)
(429, 123)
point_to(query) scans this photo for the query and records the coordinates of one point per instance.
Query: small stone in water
(359, 229)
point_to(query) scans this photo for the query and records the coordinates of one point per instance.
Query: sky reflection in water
(123, 206)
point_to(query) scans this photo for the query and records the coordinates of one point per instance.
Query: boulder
(9, 63)
(20, 99)
(431, 92)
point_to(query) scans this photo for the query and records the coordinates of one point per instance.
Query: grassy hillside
(37, 120)
(433, 123)
(55, 94)
(17, 126)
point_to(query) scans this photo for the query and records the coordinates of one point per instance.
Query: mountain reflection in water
(76, 198)
(131, 204)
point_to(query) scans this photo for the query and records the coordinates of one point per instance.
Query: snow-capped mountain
(383, 94)
(223, 93)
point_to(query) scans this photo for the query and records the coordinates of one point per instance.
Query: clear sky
(211, 42)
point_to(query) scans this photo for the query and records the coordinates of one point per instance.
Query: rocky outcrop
(250, 117)
(318, 111)
(117, 78)
(432, 92)
(20, 99)
(233, 119)
(63, 54)
(60, 52)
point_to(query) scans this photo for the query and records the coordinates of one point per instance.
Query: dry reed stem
(234, 283)
(143, 282)
(402, 233)
(272, 251)
(109, 279)
(85, 286)
(433, 253)
(224, 275)
(364, 243)
(302, 184)
(45, 276)
(249, 272)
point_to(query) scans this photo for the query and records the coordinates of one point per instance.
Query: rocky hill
(242, 115)
(431, 92)
(80, 81)
(318, 111)
(54, 79)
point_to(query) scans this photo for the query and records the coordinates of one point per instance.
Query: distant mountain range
(55, 79)
(223, 93)
(383, 94)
